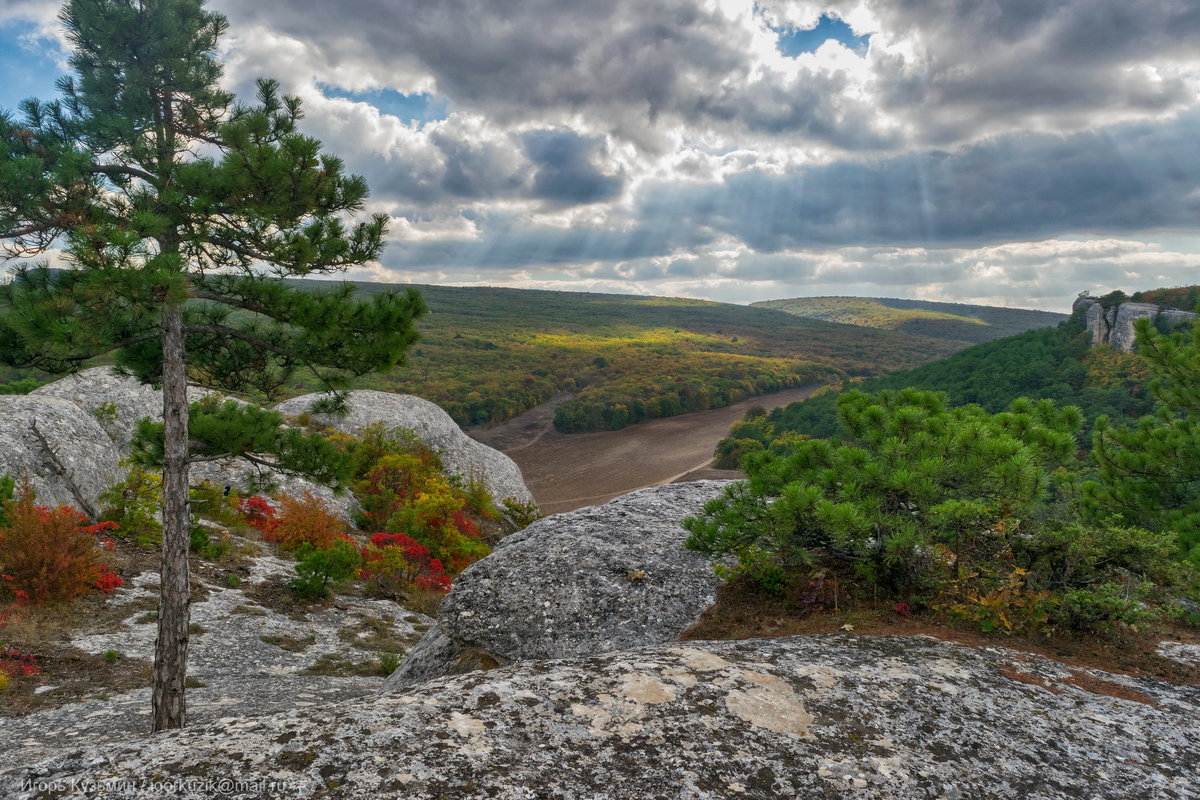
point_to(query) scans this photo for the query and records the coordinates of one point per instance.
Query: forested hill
(958, 322)
(487, 354)
(1055, 363)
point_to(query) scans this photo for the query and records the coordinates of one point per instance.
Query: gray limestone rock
(815, 717)
(1122, 335)
(1097, 324)
(461, 455)
(602, 578)
(1171, 319)
(246, 659)
(117, 402)
(59, 447)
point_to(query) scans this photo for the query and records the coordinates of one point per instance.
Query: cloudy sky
(1010, 152)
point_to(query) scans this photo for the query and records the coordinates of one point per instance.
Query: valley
(569, 471)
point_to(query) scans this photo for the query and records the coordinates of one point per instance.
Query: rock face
(602, 578)
(117, 402)
(461, 454)
(61, 448)
(1114, 326)
(821, 716)
(1122, 334)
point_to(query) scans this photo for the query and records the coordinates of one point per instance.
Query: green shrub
(317, 568)
(1098, 608)
(928, 486)
(133, 504)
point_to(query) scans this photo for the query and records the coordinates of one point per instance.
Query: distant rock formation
(836, 715)
(1114, 326)
(601, 578)
(460, 453)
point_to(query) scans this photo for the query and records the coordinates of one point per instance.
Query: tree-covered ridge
(1184, 298)
(960, 322)
(1051, 363)
(488, 354)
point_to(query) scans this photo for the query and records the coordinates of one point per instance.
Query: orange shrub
(306, 519)
(47, 555)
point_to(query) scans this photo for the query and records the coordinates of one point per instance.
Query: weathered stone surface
(602, 578)
(823, 716)
(117, 402)
(83, 454)
(1122, 335)
(249, 659)
(1171, 319)
(461, 454)
(1097, 324)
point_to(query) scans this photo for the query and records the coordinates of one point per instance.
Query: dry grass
(744, 613)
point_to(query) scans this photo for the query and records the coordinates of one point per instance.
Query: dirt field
(569, 471)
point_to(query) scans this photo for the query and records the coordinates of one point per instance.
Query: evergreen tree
(922, 473)
(1150, 473)
(178, 212)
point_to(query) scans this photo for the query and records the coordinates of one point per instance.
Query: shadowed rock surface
(75, 463)
(461, 454)
(601, 578)
(823, 716)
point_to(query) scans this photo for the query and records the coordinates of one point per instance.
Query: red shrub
(306, 519)
(395, 563)
(50, 555)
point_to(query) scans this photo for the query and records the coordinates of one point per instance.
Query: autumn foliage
(50, 555)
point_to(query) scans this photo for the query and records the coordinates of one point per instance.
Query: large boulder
(60, 448)
(1122, 336)
(118, 402)
(601, 578)
(461, 455)
(821, 716)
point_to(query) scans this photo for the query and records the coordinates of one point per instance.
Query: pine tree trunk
(174, 612)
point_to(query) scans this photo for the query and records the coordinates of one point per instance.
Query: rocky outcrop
(821, 716)
(59, 447)
(244, 659)
(117, 402)
(602, 578)
(460, 454)
(1114, 326)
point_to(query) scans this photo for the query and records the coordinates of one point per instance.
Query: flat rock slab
(601, 578)
(824, 716)
(250, 659)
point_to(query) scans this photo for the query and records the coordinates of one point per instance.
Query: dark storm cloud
(565, 172)
(947, 72)
(1130, 178)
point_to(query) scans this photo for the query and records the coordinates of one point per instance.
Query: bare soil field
(569, 471)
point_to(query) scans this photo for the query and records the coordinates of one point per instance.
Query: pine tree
(177, 213)
(1149, 474)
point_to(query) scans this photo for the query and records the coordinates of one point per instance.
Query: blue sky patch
(793, 42)
(409, 108)
(29, 70)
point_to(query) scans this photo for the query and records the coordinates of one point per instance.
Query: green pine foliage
(1149, 473)
(924, 474)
